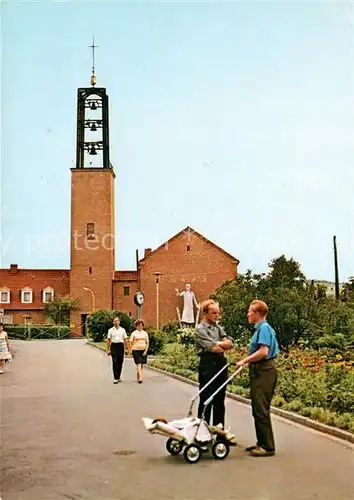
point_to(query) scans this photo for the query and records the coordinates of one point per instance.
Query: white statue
(189, 301)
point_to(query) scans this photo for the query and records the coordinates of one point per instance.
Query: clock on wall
(139, 299)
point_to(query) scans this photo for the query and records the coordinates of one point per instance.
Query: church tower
(92, 257)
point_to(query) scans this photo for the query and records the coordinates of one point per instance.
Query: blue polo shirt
(264, 335)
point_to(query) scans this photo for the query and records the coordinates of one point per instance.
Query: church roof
(189, 231)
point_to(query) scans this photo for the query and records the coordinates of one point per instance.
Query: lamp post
(157, 274)
(93, 297)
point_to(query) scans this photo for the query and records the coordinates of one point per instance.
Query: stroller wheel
(220, 450)
(173, 446)
(192, 453)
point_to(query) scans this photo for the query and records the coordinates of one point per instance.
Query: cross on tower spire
(93, 76)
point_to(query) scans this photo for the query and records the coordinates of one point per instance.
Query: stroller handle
(209, 400)
(206, 385)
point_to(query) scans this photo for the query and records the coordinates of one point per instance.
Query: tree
(285, 273)
(299, 311)
(234, 297)
(58, 310)
(283, 288)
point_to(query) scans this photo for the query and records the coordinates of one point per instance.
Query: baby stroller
(194, 435)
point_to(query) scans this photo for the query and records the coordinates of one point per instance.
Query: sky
(236, 119)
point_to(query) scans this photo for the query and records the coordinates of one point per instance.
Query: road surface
(69, 433)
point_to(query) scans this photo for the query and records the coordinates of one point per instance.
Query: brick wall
(184, 259)
(122, 302)
(16, 279)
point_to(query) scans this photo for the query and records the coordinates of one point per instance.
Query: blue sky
(234, 118)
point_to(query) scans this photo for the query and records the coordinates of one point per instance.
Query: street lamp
(93, 297)
(157, 274)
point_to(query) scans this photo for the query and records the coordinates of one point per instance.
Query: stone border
(287, 415)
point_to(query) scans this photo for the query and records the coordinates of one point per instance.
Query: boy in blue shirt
(261, 357)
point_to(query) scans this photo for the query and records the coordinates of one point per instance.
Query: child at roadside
(5, 353)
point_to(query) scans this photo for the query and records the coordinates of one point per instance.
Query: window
(5, 296)
(90, 270)
(188, 248)
(127, 290)
(48, 295)
(90, 230)
(26, 295)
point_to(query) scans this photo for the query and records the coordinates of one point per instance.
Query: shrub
(334, 341)
(16, 332)
(171, 327)
(22, 332)
(278, 401)
(318, 384)
(157, 340)
(185, 336)
(294, 405)
(99, 322)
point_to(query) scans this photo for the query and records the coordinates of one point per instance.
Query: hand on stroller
(242, 362)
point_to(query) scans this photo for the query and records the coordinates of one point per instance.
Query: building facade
(188, 257)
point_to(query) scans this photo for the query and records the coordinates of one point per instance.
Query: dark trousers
(210, 364)
(117, 355)
(263, 379)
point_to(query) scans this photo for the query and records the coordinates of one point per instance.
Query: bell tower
(92, 251)
(92, 138)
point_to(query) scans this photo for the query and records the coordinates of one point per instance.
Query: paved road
(69, 433)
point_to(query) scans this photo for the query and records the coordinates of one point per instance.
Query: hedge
(22, 332)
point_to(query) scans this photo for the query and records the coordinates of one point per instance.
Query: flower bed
(315, 384)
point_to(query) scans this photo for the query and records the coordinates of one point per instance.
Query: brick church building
(187, 257)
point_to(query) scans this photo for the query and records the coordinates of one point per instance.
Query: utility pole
(336, 274)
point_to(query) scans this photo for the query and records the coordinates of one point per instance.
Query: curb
(287, 415)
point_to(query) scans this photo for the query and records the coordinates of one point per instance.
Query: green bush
(334, 341)
(340, 384)
(22, 332)
(186, 337)
(99, 322)
(157, 340)
(318, 384)
(278, 401)
(171, 327)
(16, 332)
(294, 405)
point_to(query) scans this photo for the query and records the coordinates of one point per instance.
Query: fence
(32, 332)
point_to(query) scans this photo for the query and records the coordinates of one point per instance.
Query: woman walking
(263, 377)
(139, 341)
(5, 353)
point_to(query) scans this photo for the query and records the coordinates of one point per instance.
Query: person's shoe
(1, 371)
(260, 452)
(115, 381)
(119, 380)
(251, 448)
